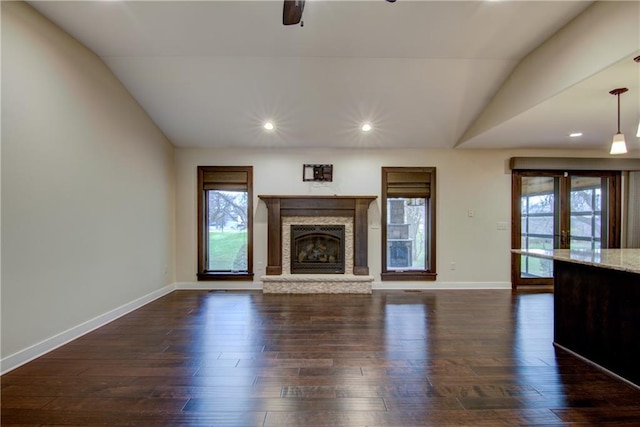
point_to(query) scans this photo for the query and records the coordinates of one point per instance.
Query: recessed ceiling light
(366, 127)
(268, 126)
(575, 134)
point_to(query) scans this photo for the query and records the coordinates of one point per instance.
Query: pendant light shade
(618, 145)
(637, 59)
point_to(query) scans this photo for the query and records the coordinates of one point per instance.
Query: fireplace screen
(317, 249)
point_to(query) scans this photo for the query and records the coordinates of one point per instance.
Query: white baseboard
(418, 285)
(15, 360)
(220, 286)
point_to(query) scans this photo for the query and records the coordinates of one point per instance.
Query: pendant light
(637, 59)
(618, 146)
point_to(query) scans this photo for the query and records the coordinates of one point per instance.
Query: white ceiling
(209, 73)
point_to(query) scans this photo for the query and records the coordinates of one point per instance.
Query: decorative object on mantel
(322, 173)
(618, 146)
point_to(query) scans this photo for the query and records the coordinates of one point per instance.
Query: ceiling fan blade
(292, 12)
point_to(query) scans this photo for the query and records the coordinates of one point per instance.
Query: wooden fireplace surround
(355, 207)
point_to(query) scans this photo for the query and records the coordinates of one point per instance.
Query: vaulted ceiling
(433, 74)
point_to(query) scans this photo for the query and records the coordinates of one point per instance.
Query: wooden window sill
(426, 276)
(247, 277)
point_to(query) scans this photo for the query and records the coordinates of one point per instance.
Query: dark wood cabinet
(597, 316)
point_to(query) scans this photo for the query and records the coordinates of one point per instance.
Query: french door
(561, 210)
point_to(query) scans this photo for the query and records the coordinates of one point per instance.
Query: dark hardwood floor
(432, 358)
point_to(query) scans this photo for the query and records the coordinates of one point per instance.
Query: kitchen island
(597, 306)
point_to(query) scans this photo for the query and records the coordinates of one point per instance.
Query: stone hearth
(284, 211)
(316, 284)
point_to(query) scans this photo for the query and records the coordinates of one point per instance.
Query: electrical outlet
(502, 225)
(470, 213)
(452, 265)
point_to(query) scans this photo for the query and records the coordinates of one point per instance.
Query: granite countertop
(615, 259)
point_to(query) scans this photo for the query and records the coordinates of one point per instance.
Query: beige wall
(466, 179)
(87, 188)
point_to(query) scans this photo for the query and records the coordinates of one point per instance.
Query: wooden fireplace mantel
(355, 207)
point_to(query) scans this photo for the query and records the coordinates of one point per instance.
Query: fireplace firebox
(317, 249)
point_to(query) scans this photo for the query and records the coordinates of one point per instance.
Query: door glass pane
(406, 225)
(586, 212)
(538, 224)
(562, 210)
(227, 230)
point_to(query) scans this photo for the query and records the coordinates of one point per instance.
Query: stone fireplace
(317, 244)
